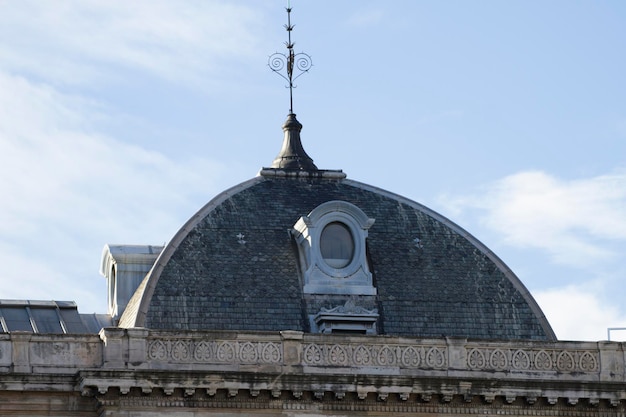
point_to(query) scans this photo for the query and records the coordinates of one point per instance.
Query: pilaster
(115, 354)
(20, 352)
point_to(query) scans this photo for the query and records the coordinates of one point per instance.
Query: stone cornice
(335, 366)
(201, 365)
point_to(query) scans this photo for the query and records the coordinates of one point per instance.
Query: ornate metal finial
(300, 62)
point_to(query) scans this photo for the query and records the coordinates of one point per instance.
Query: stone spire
(292, 154)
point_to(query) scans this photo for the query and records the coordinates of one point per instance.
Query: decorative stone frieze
(359, 355)
(264, 369)
(214, 351)
(540, 359)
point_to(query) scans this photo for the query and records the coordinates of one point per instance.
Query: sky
(119, 120)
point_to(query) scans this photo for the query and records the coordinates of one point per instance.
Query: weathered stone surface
(141, 372)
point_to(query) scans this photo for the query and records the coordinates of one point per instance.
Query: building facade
(303, 293)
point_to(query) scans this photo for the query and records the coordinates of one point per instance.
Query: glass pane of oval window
(337, 245)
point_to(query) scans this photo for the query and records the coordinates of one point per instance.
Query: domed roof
(298, 248)
(257, 258)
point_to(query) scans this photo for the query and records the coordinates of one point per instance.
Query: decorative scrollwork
(157, 350)
(291, 61)
(313, 355)
(539, 360)
(588, 362)
(565, 362)
(271, 353)
(415, 356)
(203, 352)
(386, 356)
(381, 355)
(180, 351)
(543, 361)
(337, 355)
(226, 352)
(277, 62)
(411, 357)
(476, 359)
(362, 355)
(248, 353)
(498, 360)
(521, 360)
(435, 358)
(300, 61)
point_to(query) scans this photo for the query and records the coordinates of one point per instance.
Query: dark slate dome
(256, 258)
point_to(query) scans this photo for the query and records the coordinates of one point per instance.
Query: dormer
(332, 247)
(124, 267)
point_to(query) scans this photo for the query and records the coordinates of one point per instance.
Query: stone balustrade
(144, 349)
(291, 361)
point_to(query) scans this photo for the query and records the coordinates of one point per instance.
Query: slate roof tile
(237, 269)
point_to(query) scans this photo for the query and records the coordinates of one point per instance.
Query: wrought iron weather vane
(295, 64)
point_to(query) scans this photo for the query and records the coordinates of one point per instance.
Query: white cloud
(67, 191)
(576, 313)
(578, 222)
(73, 41)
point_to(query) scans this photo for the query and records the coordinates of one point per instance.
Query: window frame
(319, 277)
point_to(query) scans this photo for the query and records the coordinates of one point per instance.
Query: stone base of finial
(300, 173)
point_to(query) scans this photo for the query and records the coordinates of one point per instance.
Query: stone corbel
(510, 398)
(489, 398)
(572, 400)
(531, 399)
(446, 397)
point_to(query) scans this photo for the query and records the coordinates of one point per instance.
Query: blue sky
(118, 120)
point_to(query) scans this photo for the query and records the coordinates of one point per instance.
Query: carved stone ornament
(347, 318)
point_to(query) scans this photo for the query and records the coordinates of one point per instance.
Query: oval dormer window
(337, 245)
(332, 245)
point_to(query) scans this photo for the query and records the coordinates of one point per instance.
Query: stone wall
(28, 353)
(138, 372)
